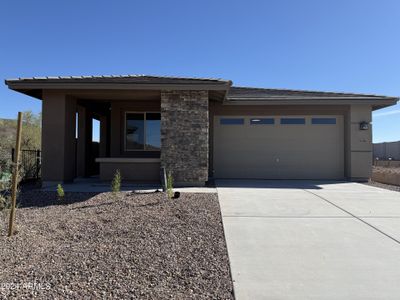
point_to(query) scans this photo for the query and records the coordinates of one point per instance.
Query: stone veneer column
(184, 136)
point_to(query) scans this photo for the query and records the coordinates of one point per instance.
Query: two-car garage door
(279, 147)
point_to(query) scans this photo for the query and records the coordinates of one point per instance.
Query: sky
(344, 46)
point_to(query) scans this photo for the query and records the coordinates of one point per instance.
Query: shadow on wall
(275, 184)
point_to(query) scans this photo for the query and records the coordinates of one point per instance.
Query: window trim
(232, 118)
(144, 113)
(252, 123)
(323, 118)
(293, 118)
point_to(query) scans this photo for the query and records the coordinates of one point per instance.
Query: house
(200, 128)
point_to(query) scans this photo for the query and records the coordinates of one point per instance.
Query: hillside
(31, 132)
(7, 132)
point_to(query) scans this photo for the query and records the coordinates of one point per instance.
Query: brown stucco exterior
(138, 170)
(188, 110)
(58, 136)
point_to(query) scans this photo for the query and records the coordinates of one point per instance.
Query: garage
(279, 147)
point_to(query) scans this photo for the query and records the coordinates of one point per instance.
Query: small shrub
(60, 192)
(6, 189)
(5, 202)
(116, 182)
(170, 185)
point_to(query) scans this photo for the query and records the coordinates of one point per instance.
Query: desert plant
(5, 202)
(5, 161)
(6, 187)
(116, 182)
(170, 185)
(60, 192)
(31, 132)
(5, 181)
(5, 205)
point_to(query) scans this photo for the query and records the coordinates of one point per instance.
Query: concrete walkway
(94, 185)
(311, 240)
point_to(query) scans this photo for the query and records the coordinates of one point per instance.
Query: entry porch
(138, 133)
(128, 137)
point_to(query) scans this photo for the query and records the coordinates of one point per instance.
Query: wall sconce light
(364, 126)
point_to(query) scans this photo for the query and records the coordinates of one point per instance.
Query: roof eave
(34, 89)
(119, 86)
(376, 102)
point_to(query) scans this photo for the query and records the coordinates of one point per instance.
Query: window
(153, 131)
(293, 121)
(231, 121)
(143, 131)
(95, 130)
(262, 121)
(323, 121)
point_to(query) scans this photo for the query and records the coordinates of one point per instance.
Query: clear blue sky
(336, 45)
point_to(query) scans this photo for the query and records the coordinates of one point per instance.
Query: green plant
(116, 182)
(5, 202)
(6, 186)
(31, 134)
(60, 192)
(170, 185)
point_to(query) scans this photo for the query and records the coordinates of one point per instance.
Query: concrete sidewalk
(94, 185)
(311, 240)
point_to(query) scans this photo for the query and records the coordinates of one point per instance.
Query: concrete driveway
(311, 240)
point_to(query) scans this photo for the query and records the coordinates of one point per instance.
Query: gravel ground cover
(393, 170)
(386, 177)
(384, 186)
(138, 246)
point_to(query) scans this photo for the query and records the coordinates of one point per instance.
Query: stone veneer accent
(184, 135)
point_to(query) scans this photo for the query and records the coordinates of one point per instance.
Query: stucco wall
(359, 155)
(58, 137)
(185, 127)
(184, 135)
(141, 172)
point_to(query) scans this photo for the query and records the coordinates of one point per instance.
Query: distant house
(200, 128)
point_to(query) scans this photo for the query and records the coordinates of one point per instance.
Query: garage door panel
(277, 151)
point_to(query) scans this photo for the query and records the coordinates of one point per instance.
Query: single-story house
(199, 128)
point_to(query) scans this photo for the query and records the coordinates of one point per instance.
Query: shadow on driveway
(275, 184)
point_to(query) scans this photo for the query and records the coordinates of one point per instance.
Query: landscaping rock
(99, 246)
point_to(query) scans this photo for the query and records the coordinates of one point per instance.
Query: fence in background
(30, 162)
(384, 151)
(387, 163)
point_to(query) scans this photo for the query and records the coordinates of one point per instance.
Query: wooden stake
(15, 176)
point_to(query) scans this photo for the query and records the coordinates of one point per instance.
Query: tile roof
(144, 79)
(234, 92)
(261, 93)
